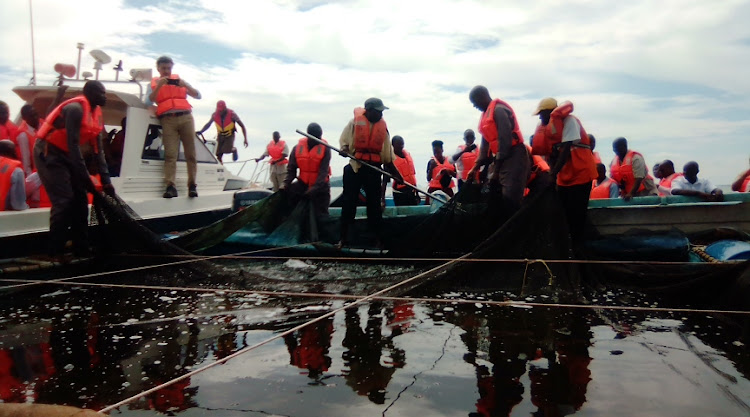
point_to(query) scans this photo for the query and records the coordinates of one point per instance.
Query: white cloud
(661, 75)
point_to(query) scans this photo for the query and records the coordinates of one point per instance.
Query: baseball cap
(548, 103)
(375, 103)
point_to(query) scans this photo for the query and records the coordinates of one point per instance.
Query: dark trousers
(67, 193)
(406, 197)
(369, 180)
(320, 198)
(575, 202)
(512, 176)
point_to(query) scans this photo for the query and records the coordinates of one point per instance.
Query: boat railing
(258, 171)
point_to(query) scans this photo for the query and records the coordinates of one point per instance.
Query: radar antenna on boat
(101, 58)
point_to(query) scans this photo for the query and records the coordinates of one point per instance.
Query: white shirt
(571, 130)
(701, 185)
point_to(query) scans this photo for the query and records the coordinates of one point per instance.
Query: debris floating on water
(297, 264)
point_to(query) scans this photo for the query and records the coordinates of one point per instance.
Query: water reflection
(94, 348)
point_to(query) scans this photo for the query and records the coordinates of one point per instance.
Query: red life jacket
(600, 191)
(546, 137)
(468, 159)
(44, 200)
(308, 161)
(7, 166)
(488, 128)
(170, 97)
(622, 172)
(667, 182)
(405, 167)
(30, 138)
(368, 138)
(97, 180)
(8, 131)
(597, 158)
(581, 167)
(91, 125)
(437, 175)
(276, 151)
(538, 165)
(745, 188)
(225, 126)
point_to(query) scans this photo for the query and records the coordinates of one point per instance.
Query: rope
(190, 259)
(345, 297)
(462, 259)
(278, 336)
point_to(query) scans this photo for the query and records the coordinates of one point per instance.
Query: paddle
(387, 174)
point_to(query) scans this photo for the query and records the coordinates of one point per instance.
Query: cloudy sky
(671, 76)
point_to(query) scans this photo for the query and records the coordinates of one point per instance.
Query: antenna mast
(33, 57)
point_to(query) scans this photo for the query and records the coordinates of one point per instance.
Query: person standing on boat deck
(8, 129)
(742, 183)
(629, 169)
(402, 195)
(366, 137)
(314, 163)
(465, 157)
(69, 133)
(278, 151)
(689, 184)
(603, 186)
(440, 171)
(12, 178)
(571, 158)
(26, 137)
(667, 175)
(226, 120)
(502, 141)
(169, 92)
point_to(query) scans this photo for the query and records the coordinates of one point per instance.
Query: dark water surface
(92, 346)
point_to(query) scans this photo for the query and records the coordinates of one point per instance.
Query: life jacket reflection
(91, 126)
(405, 167)
(368, 137)
(308, 161)
(170, 97)
(488, 127)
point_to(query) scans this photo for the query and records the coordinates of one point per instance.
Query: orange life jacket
(581, 167)
(91, 125)
(622, 172)
(745, 188)
(276, 151)
(97, 180)
(8, 131)
(405, 167)
(225, 125)
(667, 182)
(308, 161)
(7, 166)
(538, 165)
(546, 137)
(30, 138)
(468, 159)
(44, 200)
(600, 191)
(597, 158)
(437, 175)
(170, 97)
(488, 128)
(368, 137)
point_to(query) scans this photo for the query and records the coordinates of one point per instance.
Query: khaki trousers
(176, 129)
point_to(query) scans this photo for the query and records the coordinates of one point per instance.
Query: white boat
(140, 182)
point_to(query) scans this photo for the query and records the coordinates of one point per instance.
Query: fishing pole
(387, 174)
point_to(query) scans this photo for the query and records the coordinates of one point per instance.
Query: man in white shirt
(692, 186)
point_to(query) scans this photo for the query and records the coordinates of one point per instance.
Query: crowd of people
(43, 161)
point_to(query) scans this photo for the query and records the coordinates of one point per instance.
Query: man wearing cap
(572, 160)
(366, 138)
(226, 121)
(502, 141)
(169, 92)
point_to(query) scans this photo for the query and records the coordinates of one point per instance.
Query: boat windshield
(153, 148)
